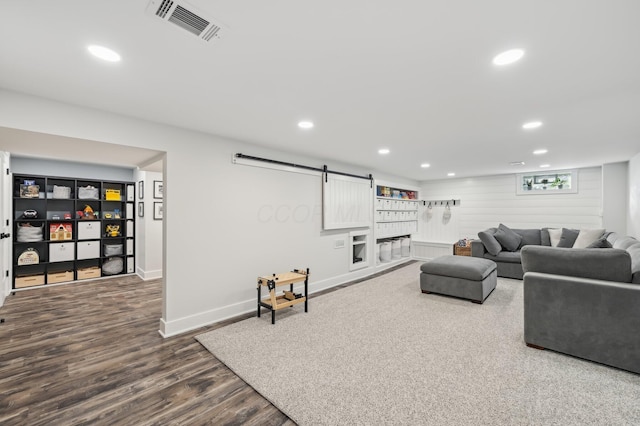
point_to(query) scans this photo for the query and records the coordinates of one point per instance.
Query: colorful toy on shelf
(88, 213)
(112, 230)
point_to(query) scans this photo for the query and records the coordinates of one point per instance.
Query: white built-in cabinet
(396, 219)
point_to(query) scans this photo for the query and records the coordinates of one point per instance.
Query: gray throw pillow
(507, 238)
(545, 238)
(568, 237)
(490, 243)
(600, 243)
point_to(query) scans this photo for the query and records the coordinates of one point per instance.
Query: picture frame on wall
(158, 212)
(141, 190)
(140, 209)
(157, 189)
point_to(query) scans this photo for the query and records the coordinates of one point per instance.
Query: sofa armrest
(592, 319)
(477, 248)
(600, 264)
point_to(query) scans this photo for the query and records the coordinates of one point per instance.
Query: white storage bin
(88, 230)
(130, 265)
(89, 250)
(405, 247)
(396, 248)
(130, 228)
(61, 252)
(385, 251)
(129, 247)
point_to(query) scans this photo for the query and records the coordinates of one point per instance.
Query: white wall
(148, 230)
(615, 197)
(224, 224)
(487, 201)
(45, 167)
(633, 219)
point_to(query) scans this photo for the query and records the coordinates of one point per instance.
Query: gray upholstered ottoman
(467, 277)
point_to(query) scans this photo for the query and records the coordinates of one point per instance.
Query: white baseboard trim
(149, 275)
(203, 319)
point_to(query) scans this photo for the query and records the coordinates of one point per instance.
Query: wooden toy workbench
(289, 298)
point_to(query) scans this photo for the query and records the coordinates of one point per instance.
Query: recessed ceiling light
(508, 57)
(451, 174)
(305, 124)
(532, 125)
(540, 151)
(104, 53)
(384, 151)
(517, 163)
(544, 166)
(425, 165)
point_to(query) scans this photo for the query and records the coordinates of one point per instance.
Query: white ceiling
(414, 76)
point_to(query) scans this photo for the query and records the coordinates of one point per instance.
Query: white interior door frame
(5, 226)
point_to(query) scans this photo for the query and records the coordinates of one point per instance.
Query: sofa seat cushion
(505, 256)
(469, 268)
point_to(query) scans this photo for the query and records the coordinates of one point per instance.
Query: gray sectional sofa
(503, 245)
(585, 302)
(508, 261)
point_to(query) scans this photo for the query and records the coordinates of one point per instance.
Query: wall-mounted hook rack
(451, 202)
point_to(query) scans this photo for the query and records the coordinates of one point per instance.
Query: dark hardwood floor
(90, 353)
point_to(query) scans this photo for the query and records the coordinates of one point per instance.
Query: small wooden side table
(289, 298)
(462, 251)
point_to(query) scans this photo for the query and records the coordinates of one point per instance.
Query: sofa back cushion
(545, 239)
(490, 243)
(508, 239)
(634, 252)
(624, 242)
(588, 236)
(568, 237)
(529, 237)
(600, 264)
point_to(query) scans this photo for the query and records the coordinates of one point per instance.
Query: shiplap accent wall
(633, 219)
(490, 200)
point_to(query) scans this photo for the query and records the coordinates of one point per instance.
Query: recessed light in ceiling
(451, 174)
(508, 57)
(544, 166)
(384, 151)
(305, 124)
(104, 53)
(532, 125)
(425, 165)
(516, 163)
(540, 151)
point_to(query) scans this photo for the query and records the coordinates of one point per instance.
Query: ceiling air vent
(186, 17)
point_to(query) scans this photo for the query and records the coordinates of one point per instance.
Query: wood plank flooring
(90, 353)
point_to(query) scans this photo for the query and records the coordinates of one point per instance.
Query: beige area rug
(382, 353)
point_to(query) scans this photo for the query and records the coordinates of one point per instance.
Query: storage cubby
(74, 225)
(359, 248)
(396, 219)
